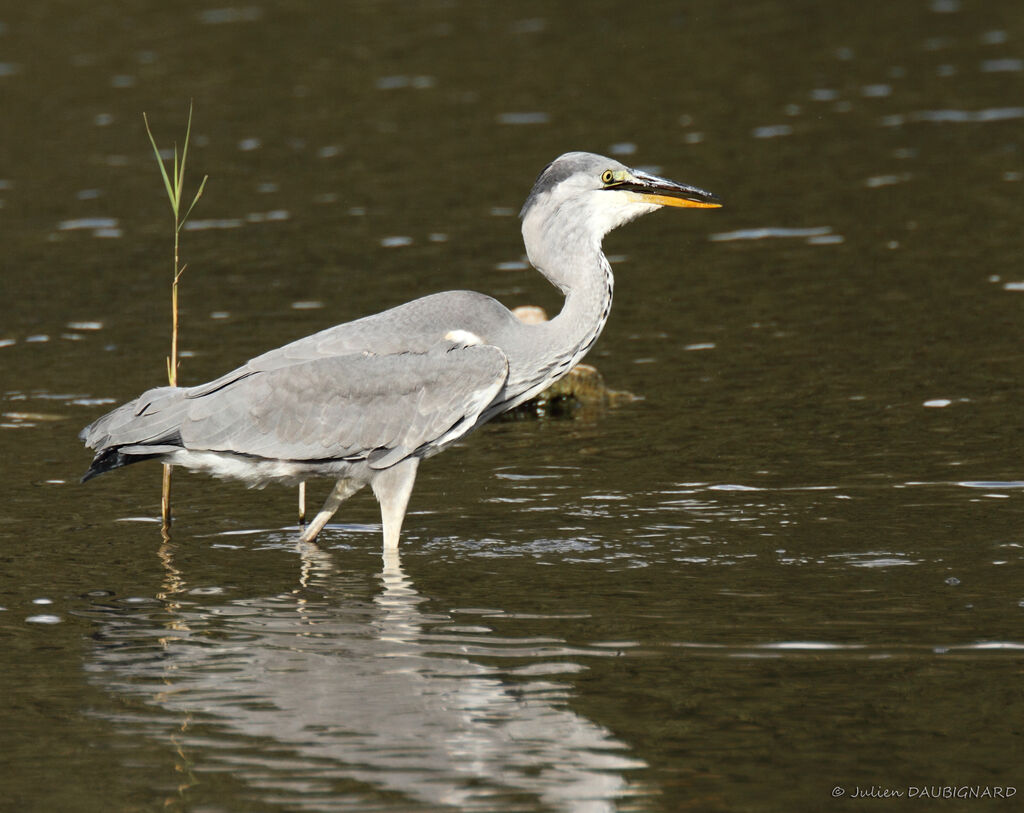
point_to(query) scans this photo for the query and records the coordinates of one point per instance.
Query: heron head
(581, 190)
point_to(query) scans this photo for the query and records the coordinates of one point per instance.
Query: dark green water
(794, 565)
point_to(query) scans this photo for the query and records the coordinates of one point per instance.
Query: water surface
(791, 565)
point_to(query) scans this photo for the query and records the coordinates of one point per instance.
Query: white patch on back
(464, 337)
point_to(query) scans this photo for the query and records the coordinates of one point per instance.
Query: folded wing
(377, 408)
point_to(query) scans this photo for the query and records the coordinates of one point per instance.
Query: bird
(365, 401)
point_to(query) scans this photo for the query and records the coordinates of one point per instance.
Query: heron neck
(585, 278)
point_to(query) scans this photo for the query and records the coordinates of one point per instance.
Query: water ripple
(992, 484)
(769, 231)
(956, 116)
(524, 118)
(1002, 65)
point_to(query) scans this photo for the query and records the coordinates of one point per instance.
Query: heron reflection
(299, 690)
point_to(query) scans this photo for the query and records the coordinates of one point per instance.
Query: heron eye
(607, 176)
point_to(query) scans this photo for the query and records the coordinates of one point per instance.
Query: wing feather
(361, 406)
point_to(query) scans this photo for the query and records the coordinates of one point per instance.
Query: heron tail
(140, 430)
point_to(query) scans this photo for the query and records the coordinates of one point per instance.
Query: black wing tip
(113, 458)
(106, 460)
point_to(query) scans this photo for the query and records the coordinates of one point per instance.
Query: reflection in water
(299, 692)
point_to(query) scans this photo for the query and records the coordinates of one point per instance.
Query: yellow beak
(642, 187)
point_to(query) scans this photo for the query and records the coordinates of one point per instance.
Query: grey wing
(413, 327)
(377, 408)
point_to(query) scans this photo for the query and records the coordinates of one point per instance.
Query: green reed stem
(174, 184)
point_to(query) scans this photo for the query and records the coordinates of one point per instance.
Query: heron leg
(392, 488)
(343, 489)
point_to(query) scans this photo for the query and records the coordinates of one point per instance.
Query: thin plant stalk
(174, 184)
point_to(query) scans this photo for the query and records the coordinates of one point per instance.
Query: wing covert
(379, 408)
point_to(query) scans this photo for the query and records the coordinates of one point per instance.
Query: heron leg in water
(343, 489)
(392, 488)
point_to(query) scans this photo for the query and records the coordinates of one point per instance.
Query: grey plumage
(363, 402)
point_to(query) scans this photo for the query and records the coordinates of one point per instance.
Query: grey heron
(363, 402)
